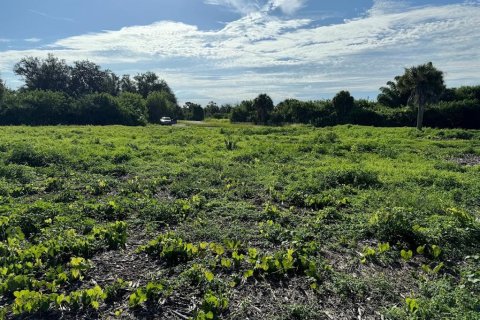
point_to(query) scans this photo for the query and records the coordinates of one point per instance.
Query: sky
(231, 50)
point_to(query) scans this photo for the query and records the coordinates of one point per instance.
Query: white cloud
(32, 40)
(249, 6)
(287, 6)
(241, 6)
(381, 7)
(47, 16)
(286, 57)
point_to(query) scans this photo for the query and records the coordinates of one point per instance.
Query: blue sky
(229, 50)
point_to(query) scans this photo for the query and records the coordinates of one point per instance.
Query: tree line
(84, 93)
(419, 96)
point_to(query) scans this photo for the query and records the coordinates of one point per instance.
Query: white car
(166, 121)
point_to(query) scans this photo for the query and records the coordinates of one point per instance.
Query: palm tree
(390, 96)
(424, 84)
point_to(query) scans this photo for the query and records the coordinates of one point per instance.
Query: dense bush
(50, 108)
(35, 108)
(212, 110)
(2, 90)
(244, 112)
(193, 111)
(99, 109)
(133, 108)
(454, 114)
(296, 111)
(454, 230)
(25, 154)
(57, 93)
(159, 105)
(459, 109)
(343, 103)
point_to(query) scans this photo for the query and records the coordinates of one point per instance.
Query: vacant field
(239, 222)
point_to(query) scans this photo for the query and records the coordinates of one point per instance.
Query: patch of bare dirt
(467, 160)
(125, 263)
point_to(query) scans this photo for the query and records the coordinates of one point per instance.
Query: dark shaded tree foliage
(424, 84)
(391, 97)
(84, 93)
(98, 109)
(133, 107)
(459, 108)
(343, 103)
(263, 106)
(49, 74)
(309, 112)
(36, 108)
(212, 110)
(149, 82)
(244, 112)
(127, 84)
(193, 111)
(2, 90)
(159, 105)
(87, 78)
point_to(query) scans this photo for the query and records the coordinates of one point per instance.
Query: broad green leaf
(406, 255)
(436, 251)
(209, 276)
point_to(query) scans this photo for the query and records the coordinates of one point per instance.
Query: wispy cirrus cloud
(51, 17)
(381, 7)
(250, 6)
(287, 6)
(240, 6)
(32, 40)
(287, 57)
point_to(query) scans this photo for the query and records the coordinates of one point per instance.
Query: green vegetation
(83, 93)
(453, 108)
(225, 221)
(56, 93)
(416, 95)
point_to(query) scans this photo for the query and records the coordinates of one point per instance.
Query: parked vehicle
(167, 121)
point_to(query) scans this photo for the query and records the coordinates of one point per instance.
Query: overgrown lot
(239, 222)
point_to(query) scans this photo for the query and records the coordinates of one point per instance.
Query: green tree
(159, 105)
(127, 84)
(99, 109)
(239, 114)
(133, 107)
(243, 112)
(225, 110)
(48, 74)
(149, 82)
(424, 84)
(88, 77)
(390, 96)
(467, 92)
(193, 111)
(263, 106)
(2, 90)
(111, 83)
(42, 107)
(212, 110)
(343, 103)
